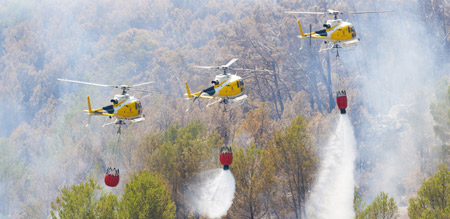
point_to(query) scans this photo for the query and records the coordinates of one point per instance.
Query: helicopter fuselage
(122, 107)
(340, 34)
(226, 88)
(335, 31)
(130, 108)
(340, 31)
(225, 85)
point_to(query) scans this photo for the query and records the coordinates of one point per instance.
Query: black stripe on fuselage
(210, 91)
(322, 32)
(109, 109)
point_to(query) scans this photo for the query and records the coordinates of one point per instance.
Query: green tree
(178, 154)
(146, 196)
(107, 207)
(382, 207)
(81, 201)
(254, 172)
(441, 115)
(433, 200)
(358, 204)
(12, 171)
(297, 161)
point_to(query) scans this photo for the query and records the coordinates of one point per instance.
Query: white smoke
(332, 195)
(211, 193)
(397, 72)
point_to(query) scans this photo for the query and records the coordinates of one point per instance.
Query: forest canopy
(396, 85)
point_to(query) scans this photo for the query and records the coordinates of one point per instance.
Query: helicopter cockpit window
(349, 30)
(238, 84)
(242, 83)
(353, 31)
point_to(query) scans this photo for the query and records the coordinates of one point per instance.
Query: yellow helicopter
(337, 33)
(227, 87)
(123, 107)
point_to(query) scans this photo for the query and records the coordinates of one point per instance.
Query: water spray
(332, 195)
(211, 193)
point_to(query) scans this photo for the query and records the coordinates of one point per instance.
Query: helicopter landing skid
(117, 123)
(339, 47)
(234, 102)
(330, 46)
(111, 123)
(217, 101)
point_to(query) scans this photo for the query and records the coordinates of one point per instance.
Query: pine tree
(178, 154)
(254, 172)
(441, 115)
(146, 196)
(382, 207)
(297, 161)
(80, 201)
(433, 200)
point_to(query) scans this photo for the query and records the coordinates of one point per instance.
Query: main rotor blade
(145, 91)
(303, 12)
(369, 12)
(231, 62)
(205, 67)
(247, 77)
(242, 69)
(249, 69)
(88, 83)
(150, 82)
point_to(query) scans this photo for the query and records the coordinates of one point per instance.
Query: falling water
(211, 193)
(332, 195)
